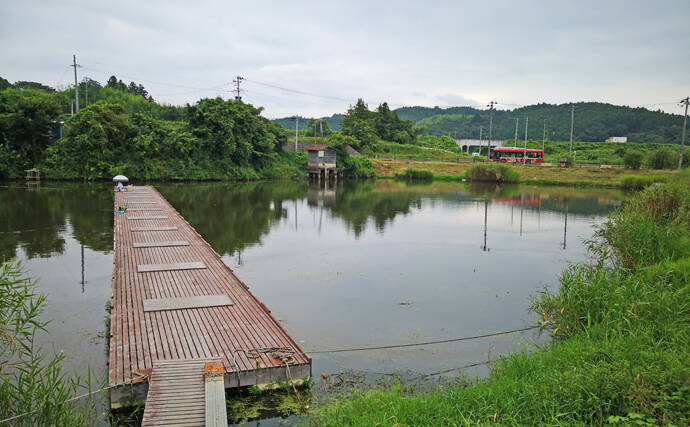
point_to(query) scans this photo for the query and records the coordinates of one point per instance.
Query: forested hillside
(593, 122)
(335, 122)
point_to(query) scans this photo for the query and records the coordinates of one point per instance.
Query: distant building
(321, 161)
(618, 139)
(473, 145)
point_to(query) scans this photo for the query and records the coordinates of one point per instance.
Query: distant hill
(594, 121)
(334, 122)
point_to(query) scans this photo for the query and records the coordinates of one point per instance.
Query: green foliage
(223, 139)
(367, 127)
(390, 150)
(26, 123)
(663, 158)
(32, 386)
(414, 175)
(493, 173)
(652, 227)
(633, 160)
(593, 122)
(637, 182)
(316, 127)
(4, 84)
(439, 142)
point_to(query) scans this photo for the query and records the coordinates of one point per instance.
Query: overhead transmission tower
(491, 122)
(685, 102)
(237, 81)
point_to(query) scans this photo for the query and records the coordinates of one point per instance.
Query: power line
(301, 92)
(385, 347)
(213, 88)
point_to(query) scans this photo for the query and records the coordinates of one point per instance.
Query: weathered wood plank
(144, 209)
(214, 387)
(145, 268)
(168, 243)
(153, 229)
(147, 217)
(186, 302)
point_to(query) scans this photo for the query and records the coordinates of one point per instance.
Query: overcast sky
(443, 53)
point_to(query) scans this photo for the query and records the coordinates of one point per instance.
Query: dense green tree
(317, 127)
(93, 141)
(26, 123)
(235, 130)
(633, 160)
(4, 84)
(663, 158)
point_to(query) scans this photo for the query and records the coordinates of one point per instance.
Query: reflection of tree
(90, 209)
(33, 220)
(233, 216)
(356, 203)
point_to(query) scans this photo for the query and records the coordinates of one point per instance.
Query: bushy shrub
(662, 158)
(633, 160)
(652, 226)
(636, 182)
(493, 173)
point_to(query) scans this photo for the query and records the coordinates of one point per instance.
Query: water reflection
(35, 219)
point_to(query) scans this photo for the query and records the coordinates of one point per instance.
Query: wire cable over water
(385, 347)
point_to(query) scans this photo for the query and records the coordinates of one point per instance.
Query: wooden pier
(177, 306)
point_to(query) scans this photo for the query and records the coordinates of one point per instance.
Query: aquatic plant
(34, 389)
(493, 173)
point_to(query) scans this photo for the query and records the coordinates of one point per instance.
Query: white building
(472, 145)
(617, 139)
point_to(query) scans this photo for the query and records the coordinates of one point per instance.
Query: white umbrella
(120, 178)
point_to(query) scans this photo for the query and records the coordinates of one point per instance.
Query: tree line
(122, 130)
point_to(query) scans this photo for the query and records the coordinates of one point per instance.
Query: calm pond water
(363, 264)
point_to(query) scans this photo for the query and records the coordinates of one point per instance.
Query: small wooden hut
(321, 162)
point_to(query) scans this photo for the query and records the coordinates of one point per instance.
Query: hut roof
(317, 147)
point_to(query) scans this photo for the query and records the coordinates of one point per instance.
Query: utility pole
(481, 129)
(572, 124)
(86, 92)
(237, 82)
(685, 101)
(76, 85)
(516, 129)
(321, 129)
(296, 131)
(543, 137)
(491, 122)
(524, 153)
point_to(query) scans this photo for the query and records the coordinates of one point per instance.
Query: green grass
(620, 344)
(414, 175)
(394, 151)
(636, 182)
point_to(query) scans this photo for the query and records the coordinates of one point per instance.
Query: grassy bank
(537, 175)
(620, 339)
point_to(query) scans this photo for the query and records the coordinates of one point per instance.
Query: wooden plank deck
(244, 336)
(186, 392)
